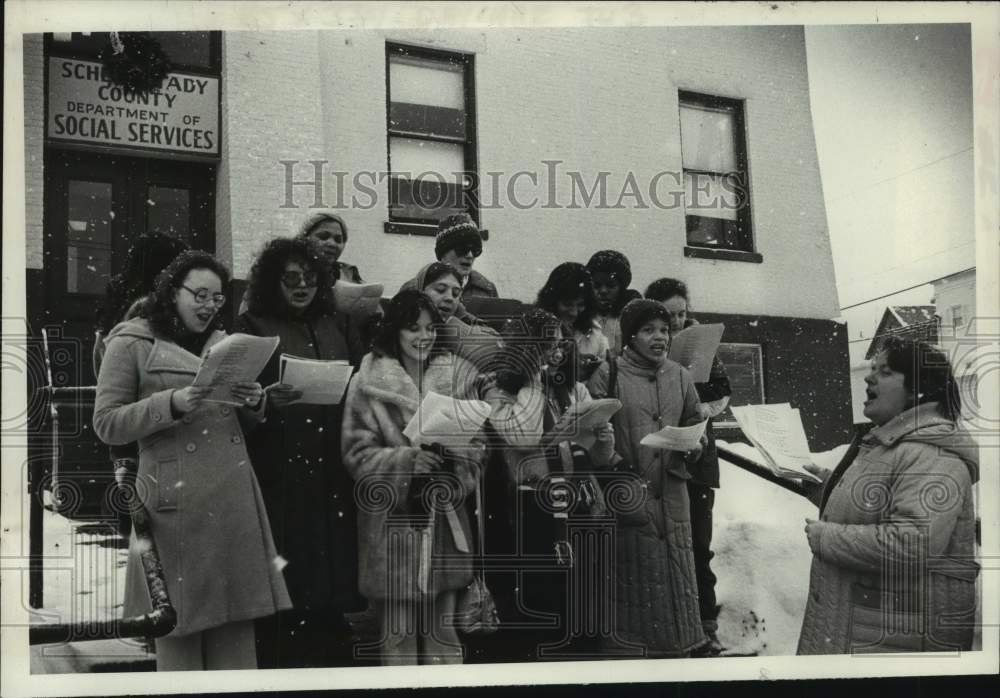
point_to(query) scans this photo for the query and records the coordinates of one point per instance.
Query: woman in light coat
(415, 551)
(207, 516)
(656, 592)
(894, 548)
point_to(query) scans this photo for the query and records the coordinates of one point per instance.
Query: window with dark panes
(431, 137)
(716, 181)
(198, 51)
(745, 368)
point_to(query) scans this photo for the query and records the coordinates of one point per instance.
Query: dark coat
(894, 566)
(296, 455)
(381, 400)
(206, 512)
(656, 593)
(705, 471)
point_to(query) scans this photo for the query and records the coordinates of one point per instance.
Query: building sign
(182, 116)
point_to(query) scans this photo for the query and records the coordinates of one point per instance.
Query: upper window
(716, 185)
(188, 51)
(957, 316)
(432, 137)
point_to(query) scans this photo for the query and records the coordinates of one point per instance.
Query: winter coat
(656, 593)
(611, 329)
(296, 455)
(381, 400)
(349, 272)
(475, 342)
(894, 566)
(207, 515)
(475, 285)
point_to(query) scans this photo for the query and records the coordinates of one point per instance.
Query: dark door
(96, 205)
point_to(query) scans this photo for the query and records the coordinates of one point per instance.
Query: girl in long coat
(656, 593)
(894, 549)
(415, 551)
(296, 455)
(206, 512)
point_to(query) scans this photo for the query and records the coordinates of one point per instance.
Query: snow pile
(762, 558)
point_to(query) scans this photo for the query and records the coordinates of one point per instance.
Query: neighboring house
(955, 298)
(696, 162)
(912, 321)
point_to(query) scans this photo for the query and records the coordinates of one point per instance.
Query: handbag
(476, 611)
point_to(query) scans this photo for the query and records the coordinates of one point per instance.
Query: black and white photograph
(357, 345)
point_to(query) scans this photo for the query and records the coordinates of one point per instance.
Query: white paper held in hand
(776, 432)
(579, 422)
(357, 299)
(239, 358)
(695, 347)
(446, 421)
(681, 439)
(321, 382)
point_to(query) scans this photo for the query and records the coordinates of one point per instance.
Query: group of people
(278, 523)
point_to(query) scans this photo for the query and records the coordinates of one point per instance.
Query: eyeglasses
(469, 249)
(202, 296)
(292, 279)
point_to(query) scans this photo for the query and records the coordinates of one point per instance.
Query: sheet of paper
(776, 432)
(694, 348)
(321, 382)
(446, 421)
(357, 299)
(239, 358)
(578, 422)
(675, 438)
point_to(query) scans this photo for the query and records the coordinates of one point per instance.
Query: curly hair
(526, 341)
(664, 289)
(147, 257)
(927, 373)
(264, 295)
(404, 310)
(615, 264)
(159, 307)
(566, 283)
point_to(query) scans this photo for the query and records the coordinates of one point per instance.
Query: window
(746, 378)
(957, 316)
(431, 137)
(716, 182)
(188, 51)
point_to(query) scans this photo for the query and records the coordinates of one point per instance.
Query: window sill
(728, 255)
(425, 229)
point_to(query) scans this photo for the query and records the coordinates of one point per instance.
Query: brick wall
(34, 147)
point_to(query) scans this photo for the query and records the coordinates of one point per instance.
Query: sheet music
(321, 382)
(357, 299)
(776, 432)
(694, 348)
(447, 421)
(579, 421)
(676, 438)
(239, 358)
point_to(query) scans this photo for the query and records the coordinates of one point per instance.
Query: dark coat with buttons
(296, 455)
(894, 560)
(656, 593)
(207, 515)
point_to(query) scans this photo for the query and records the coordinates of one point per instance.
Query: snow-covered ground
(761, 557)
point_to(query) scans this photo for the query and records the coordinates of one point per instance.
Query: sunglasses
(202, 296)
(293, 279)
(468, 249)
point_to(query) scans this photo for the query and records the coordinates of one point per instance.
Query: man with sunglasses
(458, 243)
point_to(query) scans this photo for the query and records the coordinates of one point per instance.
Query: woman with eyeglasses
(459, 243)
(206, 512)
(569, 295)
(534, 387)
(296, 454)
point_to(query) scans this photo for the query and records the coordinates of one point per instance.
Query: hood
(137, 327)
(924, 424)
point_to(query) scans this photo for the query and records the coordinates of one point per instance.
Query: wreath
(135, 61)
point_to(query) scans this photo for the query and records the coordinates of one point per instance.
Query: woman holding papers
(296, 455)
(541, 464)
(206, 512)
(473, 341)
(894, 547)
(714, 396)
(656, 590)
(569, 295)
(415, 551)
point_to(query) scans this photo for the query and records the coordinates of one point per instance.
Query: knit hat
(317, 217)
(611, 262)
(636, 314)
(457, 230)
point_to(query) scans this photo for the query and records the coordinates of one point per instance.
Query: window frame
(62, 49)
(470, 194)
(747, 251)
(759, 347)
